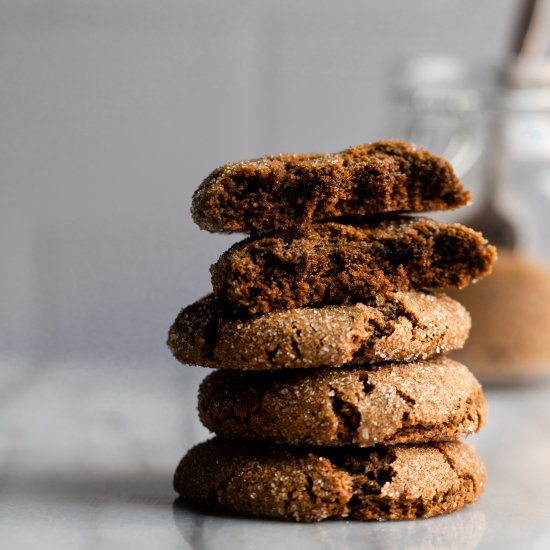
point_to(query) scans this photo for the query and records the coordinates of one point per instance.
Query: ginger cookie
(291, 190)
(396, 326)
(342, 263)
(311, 484)
(436, 400)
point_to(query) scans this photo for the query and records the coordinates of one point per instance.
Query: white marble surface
(87, 453)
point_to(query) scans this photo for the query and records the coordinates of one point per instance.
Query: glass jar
(498, 140)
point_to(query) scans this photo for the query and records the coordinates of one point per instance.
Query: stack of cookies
(332, 395)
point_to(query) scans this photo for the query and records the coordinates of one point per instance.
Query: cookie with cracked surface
(291, 190)
(311, 484)
(342, 263)
(397, 326)
(437, 400)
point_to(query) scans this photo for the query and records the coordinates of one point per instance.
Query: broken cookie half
(292, 190)
(342, 263)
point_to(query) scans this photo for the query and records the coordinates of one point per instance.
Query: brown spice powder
(510, 336)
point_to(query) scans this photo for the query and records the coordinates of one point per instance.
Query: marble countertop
(87, 453)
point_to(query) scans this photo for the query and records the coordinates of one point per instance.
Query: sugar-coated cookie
(437, 400)
(311, 484)
(397, 326)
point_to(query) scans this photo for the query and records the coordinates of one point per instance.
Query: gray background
(112, 112)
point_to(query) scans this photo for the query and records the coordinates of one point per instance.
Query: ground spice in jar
(510, 337)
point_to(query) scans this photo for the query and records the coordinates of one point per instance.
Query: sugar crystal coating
(397, 326)
(313, 483)
(389, 403)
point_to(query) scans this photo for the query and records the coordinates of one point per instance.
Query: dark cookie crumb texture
(437, 400)
(399, 326)
(337, 263)
(291, 190)
(311, 484)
